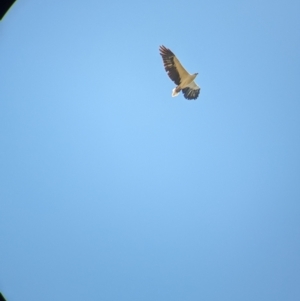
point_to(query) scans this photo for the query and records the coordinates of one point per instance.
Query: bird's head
(196, 74)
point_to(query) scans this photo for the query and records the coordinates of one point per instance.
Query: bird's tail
(175, 91)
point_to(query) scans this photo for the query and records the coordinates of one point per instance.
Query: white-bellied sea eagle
(177, 73)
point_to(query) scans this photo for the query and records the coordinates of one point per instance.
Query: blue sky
(113, 190)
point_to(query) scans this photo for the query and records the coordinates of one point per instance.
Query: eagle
(177, 73)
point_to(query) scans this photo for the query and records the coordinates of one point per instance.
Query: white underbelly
(186, 81)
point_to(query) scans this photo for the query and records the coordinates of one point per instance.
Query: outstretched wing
(172, 65)
(192, 91)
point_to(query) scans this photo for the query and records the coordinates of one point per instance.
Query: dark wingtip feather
(168, 60)
(190, 94)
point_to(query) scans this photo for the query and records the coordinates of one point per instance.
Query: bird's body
(184, 83)
(177, 73)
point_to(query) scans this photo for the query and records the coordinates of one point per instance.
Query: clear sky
(110, 189)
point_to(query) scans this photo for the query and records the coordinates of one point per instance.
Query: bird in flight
(177, 73)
